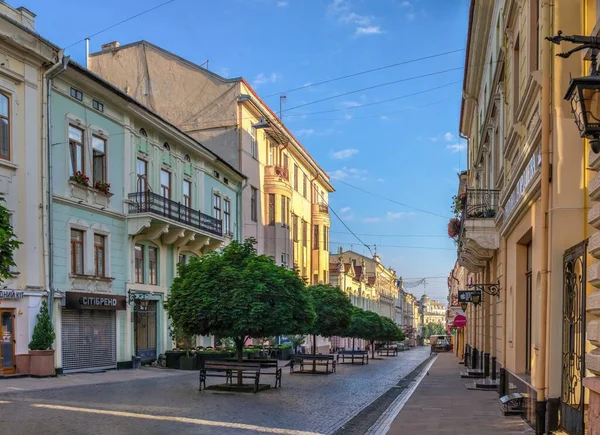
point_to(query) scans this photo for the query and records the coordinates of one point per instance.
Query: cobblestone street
(172, 404)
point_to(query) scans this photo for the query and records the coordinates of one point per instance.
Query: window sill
(92, 277)
(90, 188)
(8, 164)
(88, 195)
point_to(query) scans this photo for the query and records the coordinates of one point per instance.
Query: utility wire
(311, 85)
(391, 235)
(380, 85)
(122, 22)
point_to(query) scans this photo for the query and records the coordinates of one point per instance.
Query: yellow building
(528, 212)
(285, 203)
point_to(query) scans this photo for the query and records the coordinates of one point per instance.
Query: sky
(393, 164)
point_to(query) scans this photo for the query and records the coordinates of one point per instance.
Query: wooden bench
(301, 360)
(226, 369)
(361, 356)
(270, 364)
(512, 404)
(386, 351)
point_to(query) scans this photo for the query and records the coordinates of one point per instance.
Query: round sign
(460, 321)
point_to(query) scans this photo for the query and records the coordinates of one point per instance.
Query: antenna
(282, 98)
(205, 63)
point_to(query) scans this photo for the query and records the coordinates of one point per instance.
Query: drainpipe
(540, 378)
(502, 380)
(238, 197)
(53, 72)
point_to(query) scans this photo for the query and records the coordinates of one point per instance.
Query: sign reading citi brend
(467, 295)
(94, 301)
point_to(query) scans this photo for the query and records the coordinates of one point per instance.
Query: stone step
(471, 375)
(487, 384)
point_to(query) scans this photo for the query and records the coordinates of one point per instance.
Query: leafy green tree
(390, 331)
(296, 341)
(239, 294)
(366, 325)
(432, 328)
(333, 312)
(43, 332)
(8, 242)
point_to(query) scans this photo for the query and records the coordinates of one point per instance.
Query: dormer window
(143, 132)
(187, 158)
(166, 147)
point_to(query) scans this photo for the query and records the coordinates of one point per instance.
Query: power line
(434, 248)
(391, 235)
(123, 21)
(311, 85)
(391, 200)
(380, 85)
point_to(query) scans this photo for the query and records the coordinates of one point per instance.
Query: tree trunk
(239, 347)
(372, 348)
(314, 352)
(353, 343)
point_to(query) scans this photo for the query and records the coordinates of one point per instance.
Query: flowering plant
(102, 187)
(453, 228)
(80, 178)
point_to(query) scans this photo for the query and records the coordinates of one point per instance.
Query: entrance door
(572, 406)
(7, 348)
(145, 330)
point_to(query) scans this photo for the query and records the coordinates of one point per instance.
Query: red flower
(453, 228)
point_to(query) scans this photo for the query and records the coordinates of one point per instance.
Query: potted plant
(103, 187)
(453, 228)
(80, 178)
(40, 347)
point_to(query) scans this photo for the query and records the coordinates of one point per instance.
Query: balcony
(479, 237)
(277, 180)
(320, 213)
(156, 216)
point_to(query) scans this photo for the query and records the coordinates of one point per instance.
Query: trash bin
(137, 362)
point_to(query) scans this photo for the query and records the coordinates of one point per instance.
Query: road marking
(2, 402)
(14, 388)
(195, 421)
(384, 422)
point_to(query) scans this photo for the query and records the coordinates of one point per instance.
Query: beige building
(284, 204)
(432, 311)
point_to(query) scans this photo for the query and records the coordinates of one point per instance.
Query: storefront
(89, 331)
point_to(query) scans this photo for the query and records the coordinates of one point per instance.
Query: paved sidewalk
(12, 385)
(442, 405)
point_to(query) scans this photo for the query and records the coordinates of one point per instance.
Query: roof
(464, 86)
(81, 69)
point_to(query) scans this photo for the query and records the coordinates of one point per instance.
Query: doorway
(7, 349)
(145, 330)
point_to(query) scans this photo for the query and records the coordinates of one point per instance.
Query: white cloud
(380, 180)
(398, 215)
(282, 4)
(384, 118)
(262, 78)
(350, 104)
(345, 209)
(347, 116)
(305, 132)
(410, 16)
(406, 3)
(449, 136)
(349, 174)
(372, 220)
(345, 153)
(368, 30)
(456, 147)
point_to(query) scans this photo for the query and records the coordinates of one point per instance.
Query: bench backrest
(355, 352)
(263, 362)
(227, 365)
(315, 357)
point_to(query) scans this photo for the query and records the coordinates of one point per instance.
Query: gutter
(53, 72)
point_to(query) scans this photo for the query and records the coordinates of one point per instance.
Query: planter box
(187, 362)
(23, 363)
(41, 363)
(173, 357)
(284, 354)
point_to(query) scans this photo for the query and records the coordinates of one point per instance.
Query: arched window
(166, 147)
(187, 158)
(143, 132)
(4, 127)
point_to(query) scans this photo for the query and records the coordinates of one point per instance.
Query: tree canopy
(390, 331)
(431, 328)
(8, 242)
(237, 293)
(333, 310)
(364, 324)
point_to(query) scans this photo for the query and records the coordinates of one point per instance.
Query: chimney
(377, 258)
(110, 46)
(340, 250)
(27, 17)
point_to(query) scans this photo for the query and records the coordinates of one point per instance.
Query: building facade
(528, 216)
(432, 311)
(133, 196)
(285, 200)
(27, 61)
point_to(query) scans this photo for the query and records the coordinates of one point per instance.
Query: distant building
(431, 311)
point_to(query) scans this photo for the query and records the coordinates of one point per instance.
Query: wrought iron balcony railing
(480, 204)
(149, 202)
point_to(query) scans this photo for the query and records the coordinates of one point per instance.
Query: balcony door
(165, 191)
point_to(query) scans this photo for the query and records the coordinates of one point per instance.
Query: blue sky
(406, 150)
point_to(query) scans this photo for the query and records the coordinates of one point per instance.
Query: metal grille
(88, 340)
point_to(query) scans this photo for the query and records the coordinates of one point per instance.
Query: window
(142, 175)
(76, 150)
(285, 162)
(295, 227)
(99, 160)
(528, 310)
(285, 260)
(182, 259)
(153, 265)
(187, 193)
(227, 216)
(99, 253)
(165, 184)
(216, 174)
(77, 94)
(534, 35)
(271, 209)
(305, 186)
(139, 264)
(315, 196)
(4, 127)
(296, 184)
(326, 238)
(254, 204)
(316, 278)
(516, 64)
(77, 252)
(98, 105)
(167, 147)
(304, 233)
(217, 206)
(253, 142)
(315, 237)
(143, 132)
(284, 211)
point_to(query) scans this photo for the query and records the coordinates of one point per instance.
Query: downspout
(540, 378)
(53, 72)
(238, 197)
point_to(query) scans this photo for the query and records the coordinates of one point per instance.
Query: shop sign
(460, 321)
(11, 294)
(94, 301)
(525, 179)
(466, 295)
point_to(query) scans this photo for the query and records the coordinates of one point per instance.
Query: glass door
(7, 347)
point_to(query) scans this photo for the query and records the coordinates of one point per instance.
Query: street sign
(467, 295)
(460, 321)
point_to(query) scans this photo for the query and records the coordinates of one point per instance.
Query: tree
(296, 341)
(239, 294)
(8, 242)
(43, 332)
(366, 325)
(390, 331)
(432, 328)
(333, 311)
